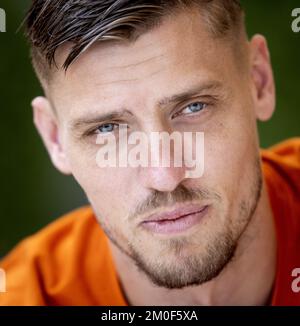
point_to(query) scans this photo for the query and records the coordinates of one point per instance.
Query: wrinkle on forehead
(128, 80)
(135, 64)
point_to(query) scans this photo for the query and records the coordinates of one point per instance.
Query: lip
(176, 221)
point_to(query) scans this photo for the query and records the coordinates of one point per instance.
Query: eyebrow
(99, 118)
(190, 93)
(162, 103)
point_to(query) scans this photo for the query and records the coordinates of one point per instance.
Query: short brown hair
(52, 23)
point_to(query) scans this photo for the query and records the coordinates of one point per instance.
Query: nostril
(162, 179)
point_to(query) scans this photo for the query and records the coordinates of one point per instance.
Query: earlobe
(46, 123)
(262, 78)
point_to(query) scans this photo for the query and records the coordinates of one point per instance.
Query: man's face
(135, 79)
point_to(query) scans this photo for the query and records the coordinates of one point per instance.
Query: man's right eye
(106, 128)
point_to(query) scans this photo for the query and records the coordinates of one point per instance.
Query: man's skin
(135, 76)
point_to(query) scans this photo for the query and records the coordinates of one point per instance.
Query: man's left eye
(190, 109)
(193, 108)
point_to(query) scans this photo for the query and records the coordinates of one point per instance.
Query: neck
(246, 280)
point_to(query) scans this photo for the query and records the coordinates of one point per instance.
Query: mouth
(176, 221)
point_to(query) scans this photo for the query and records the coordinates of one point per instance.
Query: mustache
(181, 195)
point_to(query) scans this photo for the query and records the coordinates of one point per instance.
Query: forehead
(171, 57)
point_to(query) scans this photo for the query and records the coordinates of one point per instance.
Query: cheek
(231, 151)
(91, 178)
(107, 189)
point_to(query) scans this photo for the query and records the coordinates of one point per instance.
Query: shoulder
(56, 236)
(287, 152)
(60, 264)
(282, 163)
(281, 166)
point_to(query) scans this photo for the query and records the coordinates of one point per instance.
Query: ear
(262, 78)
(46, 123)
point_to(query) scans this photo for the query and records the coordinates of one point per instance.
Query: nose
(165, 170)
(163, 174)
(163, 179)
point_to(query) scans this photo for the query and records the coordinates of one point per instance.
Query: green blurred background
(32, 192)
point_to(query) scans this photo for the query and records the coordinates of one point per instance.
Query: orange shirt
(69, 262)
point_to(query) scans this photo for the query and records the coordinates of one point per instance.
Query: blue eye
(106, 128)
(194, 108)
(191, 109)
